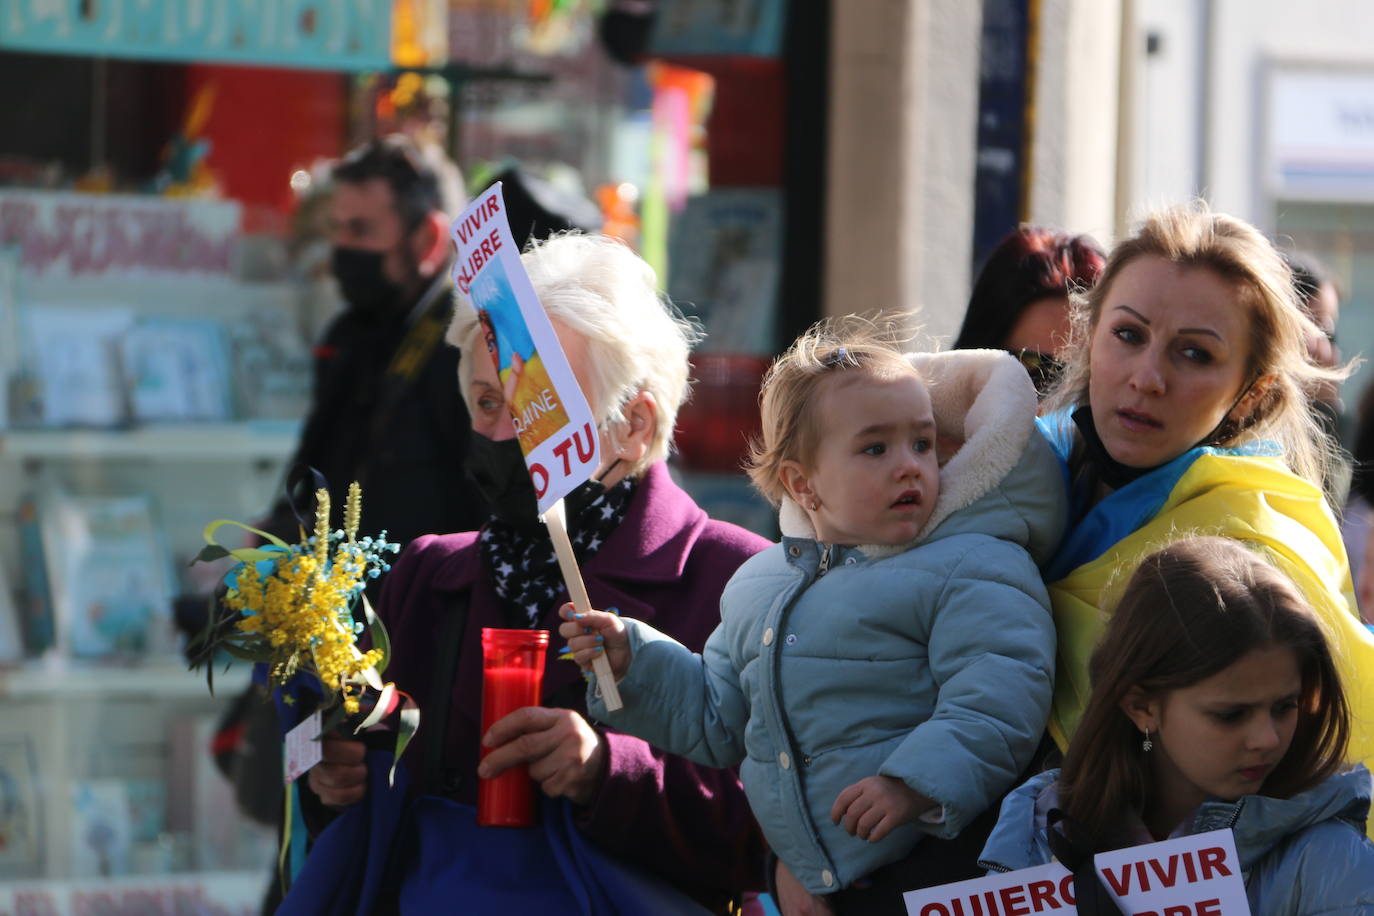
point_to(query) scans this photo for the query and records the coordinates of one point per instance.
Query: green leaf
(208, 553)
(332, 719)
(249, 654)
(409, 724)
(377, 629)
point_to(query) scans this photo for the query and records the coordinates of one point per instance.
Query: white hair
(636, 341)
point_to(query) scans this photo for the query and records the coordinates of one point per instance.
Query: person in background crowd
(1215, 703)
(1320, 302)
(617, 805)
(384, 410)
(1358, 518)
(1184, 406)
(1020, 300)
(883, 675)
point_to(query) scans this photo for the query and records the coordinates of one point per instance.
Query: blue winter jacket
(1299, 856)
(931, 662)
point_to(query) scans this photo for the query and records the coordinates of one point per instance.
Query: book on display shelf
(98, 575)
(724, 265)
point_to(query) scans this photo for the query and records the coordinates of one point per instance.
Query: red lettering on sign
(540, 478)
(1212, 859)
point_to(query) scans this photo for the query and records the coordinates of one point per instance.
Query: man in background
(385, 409)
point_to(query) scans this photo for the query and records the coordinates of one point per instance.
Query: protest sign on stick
(1195, 875)
(553, 422)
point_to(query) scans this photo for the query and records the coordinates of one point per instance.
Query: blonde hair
(1193, 236)
(636, 342)
(787, 400)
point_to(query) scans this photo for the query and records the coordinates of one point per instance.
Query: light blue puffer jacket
(1300, 856)
(931, 662)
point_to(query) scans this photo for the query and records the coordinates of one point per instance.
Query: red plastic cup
(512, 675)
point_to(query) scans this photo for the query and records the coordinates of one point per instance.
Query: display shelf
(242, 440)
(164, 679)
(229, 892)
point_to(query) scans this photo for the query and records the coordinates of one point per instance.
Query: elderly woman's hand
(591, 633)
(340, 778)
(565, 754)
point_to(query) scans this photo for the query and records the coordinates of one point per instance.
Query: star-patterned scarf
(523, 566)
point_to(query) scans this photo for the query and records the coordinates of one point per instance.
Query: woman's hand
(795, 900)
(340, 778)
(874, 807)
(591, 633)
(566, 756)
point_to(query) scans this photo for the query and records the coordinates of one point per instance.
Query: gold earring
(815, 504)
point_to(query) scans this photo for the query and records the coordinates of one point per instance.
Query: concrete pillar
(903, 130)
(1073, 166)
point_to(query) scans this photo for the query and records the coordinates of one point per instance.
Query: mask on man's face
(363, 280)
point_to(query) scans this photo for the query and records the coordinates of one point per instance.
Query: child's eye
(877, 448)
(1228, 716)
(923, 446)
(1285, 707)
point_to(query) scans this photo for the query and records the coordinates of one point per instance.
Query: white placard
(302, 749)
(1196, 875)
(553, 422)
(1045, 888)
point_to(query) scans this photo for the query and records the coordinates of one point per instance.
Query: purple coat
(666, 564)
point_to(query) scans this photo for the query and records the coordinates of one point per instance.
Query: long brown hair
(1191, 610)
(1193, 236)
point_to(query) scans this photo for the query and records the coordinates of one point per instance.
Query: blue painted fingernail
(600, 638)
(577, 616)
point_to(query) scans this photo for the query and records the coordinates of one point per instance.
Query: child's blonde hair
(787, 401)
(1193, 236)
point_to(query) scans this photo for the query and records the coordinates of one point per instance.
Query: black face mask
(362, 281)
(1110, 471)
(498, 470)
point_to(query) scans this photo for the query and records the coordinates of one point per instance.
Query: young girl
(883, 674)
(1215, 703)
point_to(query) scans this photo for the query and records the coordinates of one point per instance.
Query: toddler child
(883, 675)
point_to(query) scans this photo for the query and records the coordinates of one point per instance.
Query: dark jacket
(404, 441)
(666, 563)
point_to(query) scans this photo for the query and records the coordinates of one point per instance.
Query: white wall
(1173, 159)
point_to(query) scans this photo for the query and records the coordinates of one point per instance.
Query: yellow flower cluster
(302, 607)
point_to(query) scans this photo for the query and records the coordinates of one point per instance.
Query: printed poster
(553, 421)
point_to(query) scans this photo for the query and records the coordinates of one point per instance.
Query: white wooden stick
(577, 590)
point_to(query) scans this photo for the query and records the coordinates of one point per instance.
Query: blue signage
(316, 34)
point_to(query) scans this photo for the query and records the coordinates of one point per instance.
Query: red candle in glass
(512, 675)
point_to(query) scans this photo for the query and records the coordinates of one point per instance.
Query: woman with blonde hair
(1215, 703)
(1184, 407)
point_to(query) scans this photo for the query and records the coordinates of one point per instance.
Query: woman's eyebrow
(1207, 331)
(1139, 317)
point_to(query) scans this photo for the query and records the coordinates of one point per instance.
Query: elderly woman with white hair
(644, 547)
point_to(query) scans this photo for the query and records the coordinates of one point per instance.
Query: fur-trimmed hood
(1004, 472)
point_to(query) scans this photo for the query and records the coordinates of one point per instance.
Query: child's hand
(591, 633)
(874, 807)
